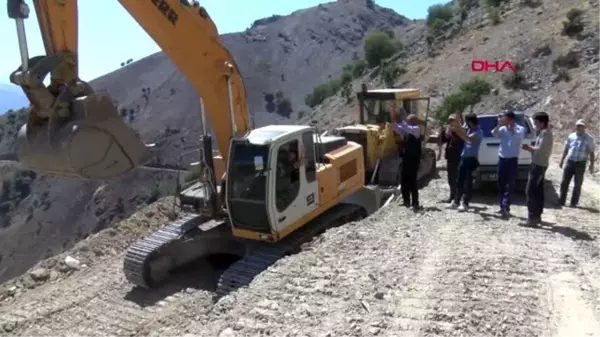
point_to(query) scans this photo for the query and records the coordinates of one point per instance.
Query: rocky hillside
(281, 59)
(554, 46)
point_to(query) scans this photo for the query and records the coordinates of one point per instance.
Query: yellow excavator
(268, 190)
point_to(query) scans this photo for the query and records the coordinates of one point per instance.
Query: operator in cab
(410, 152)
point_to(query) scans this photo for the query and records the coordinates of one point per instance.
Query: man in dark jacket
(411, 158)
(454, 146)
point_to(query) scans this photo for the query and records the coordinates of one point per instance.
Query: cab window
(287, 185)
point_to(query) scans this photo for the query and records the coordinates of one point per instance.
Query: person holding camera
(454, 147)
(511, 136)
(469, 161)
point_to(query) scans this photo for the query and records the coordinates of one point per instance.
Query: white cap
(580, 122)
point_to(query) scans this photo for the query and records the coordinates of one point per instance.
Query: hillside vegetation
(554, 48)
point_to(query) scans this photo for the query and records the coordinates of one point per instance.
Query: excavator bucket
(92, 143)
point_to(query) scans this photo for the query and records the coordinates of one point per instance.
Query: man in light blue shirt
(469, 161)
(511, 135)
(579, 148)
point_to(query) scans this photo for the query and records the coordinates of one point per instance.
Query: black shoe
(505, 214)
(572, 205)
(406, 204)
(417, 208)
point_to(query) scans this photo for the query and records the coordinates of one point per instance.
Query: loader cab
(375, 105)
(271, 180)
(373, 131)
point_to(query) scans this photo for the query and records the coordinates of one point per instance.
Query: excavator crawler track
(242, 272)
(136, 264)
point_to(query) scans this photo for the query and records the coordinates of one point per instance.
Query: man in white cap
(579, 147)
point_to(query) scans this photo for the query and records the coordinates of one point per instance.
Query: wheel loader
(374, 133)
(259, 197)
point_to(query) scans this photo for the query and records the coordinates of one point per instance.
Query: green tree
(359, 68)
(390, 72)
(439, 12)
(378, 47)
(475, 89)
(468, 94)
(319, 94)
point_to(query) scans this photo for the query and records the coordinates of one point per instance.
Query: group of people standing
(462, 142)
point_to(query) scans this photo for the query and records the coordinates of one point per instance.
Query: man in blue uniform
(511, 136)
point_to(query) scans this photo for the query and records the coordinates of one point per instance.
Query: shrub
(347, 91)
(284, 107)
(562, 74)
(531, 3)
(516, 79)
(439, 12)
(346, 78)
(319, 94)
(569, 61)
(451, 103)
(468, 94)
(359, 68)
(464, 4)
(475, 89)
(574, 14)
(494, 15)
(437, 27)
(390, 72)
(370, 4)
(378, 46)
(493, 3)
(574, 24)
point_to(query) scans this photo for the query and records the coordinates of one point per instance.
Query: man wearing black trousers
(454, 146)
(540, 158)
(411, 158)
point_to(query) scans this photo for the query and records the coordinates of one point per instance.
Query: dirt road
(437, 273)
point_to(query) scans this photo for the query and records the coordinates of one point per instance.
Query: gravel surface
(436, 273)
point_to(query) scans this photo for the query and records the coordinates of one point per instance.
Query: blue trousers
(464, 184)
(507, 176)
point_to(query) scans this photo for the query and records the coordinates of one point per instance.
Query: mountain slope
(530, 37)
(290, 54)
(286, 54)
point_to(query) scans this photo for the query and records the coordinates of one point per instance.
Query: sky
(105, 26)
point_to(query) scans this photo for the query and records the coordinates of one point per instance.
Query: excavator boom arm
(184, 32)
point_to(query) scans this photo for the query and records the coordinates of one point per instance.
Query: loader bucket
(93, 143)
